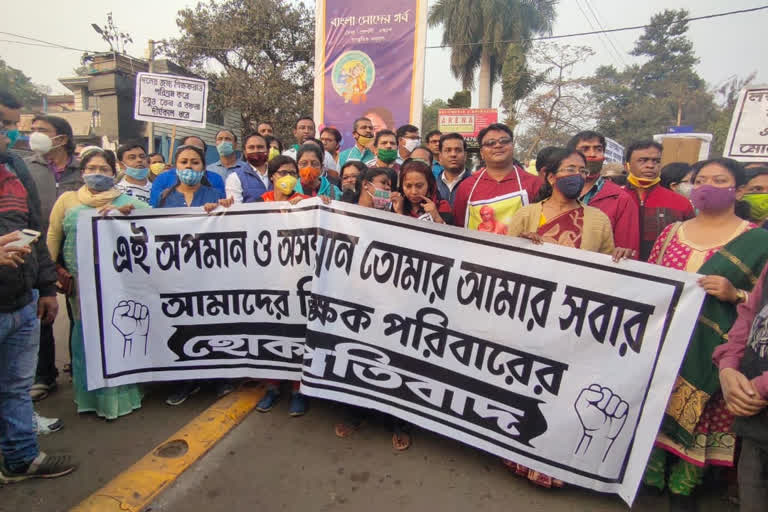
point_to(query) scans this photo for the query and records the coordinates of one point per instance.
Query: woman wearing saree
(559, 218)
(730, 254)
(98, 168)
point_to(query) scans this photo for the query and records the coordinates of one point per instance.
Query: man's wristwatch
(741, 296)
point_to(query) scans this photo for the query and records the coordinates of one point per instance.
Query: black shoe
(44, 466)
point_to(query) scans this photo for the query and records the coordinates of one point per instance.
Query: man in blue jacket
(453, 157)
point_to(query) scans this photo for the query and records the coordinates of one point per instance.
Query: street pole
(150, 125)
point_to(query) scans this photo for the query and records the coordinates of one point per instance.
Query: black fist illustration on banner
(131, 319)
(602, 415)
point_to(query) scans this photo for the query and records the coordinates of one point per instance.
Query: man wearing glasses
(502, 185)
(659, 207)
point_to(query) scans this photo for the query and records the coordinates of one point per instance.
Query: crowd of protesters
(707, 218)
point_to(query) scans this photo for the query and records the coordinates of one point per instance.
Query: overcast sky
(726, 46)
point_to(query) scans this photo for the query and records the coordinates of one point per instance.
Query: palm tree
(476, 30)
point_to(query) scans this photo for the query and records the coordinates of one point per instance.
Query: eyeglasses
(280, 174)
(572, 170)
(504, 141)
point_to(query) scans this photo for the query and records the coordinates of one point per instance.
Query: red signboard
(466, 121)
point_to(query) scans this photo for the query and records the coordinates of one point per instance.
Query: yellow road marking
(135, 488)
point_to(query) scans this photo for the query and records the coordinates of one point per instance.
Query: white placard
(748, 135)
(171, 99)
(614, 152)
(512, 348)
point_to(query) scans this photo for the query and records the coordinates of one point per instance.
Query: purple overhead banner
(369, 61)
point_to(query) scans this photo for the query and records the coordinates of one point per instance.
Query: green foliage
(429, 114)
(491, 21)
(19, 85)
(462, 99)
(645, 99)
(517, 82)
(257, 54)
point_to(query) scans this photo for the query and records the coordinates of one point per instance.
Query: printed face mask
(137, 174)
(189, 177)
(286, 184)
(381, 199)
(99, 182)
(387, 155)
(570, 186)
(711, 198)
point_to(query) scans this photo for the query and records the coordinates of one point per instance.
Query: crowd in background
(708, 218)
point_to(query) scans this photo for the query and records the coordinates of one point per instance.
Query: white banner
(171, 99)
(748, 135)
(556, 358)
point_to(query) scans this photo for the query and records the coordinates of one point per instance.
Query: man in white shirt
(305, 129)
(132, 160)
(247, 185)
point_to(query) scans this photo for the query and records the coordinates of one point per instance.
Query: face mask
(381, 199)
(257, 159)
(189, 177)
(593, 169)
(225, 148)
(12, 135)
(40, 143)
(309, 175)
(387, 155)
(570, 186)
(157, 168)
(758, 205)
(99, 182)
(711, 198)
(363, 140)
(273, 152)
(685, 189)
(137, 174)
(411, 144)
(286, 184)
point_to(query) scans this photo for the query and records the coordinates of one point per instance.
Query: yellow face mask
(273, 152)
(157, 168)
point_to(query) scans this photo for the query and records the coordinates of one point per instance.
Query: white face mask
(411, 144)
(40, 143)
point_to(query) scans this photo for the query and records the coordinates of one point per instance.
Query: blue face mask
(137, 174)
(189, 177)
(99, 182)
(12, 135)
(570, 186)
(225, 148)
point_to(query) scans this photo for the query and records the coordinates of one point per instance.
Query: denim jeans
(19, 339)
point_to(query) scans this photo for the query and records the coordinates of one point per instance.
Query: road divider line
(135, 488)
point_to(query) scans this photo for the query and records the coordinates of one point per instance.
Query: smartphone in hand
(28, 237)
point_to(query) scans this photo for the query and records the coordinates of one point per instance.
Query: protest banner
(369, 61)
(614, 152)
(748, 135)
(467, 122)
(553, 357)
(170, 99)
